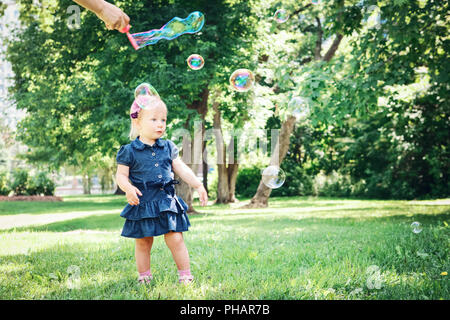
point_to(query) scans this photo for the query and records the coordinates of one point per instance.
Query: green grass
(298, 248)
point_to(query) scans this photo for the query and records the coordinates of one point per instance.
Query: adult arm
(112, 16)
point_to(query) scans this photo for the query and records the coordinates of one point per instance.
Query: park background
(371, 158)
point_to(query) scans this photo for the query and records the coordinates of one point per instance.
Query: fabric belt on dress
(167, 186)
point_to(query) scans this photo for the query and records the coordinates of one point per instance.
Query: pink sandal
(145, 279)
(186, 279)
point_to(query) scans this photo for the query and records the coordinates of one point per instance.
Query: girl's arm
(124, 184)
(188, 176)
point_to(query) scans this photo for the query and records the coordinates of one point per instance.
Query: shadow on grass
(258, 221)
(104, 222)
(85, 203)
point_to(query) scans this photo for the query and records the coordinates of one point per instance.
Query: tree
(400, 72)
(336, 26)
(85, 77)
(379, 62)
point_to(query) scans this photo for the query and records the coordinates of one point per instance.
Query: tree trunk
(222, 183)
(227, 172)
(185, 192)
(318, 48)
(334, 46)
(232, 176)
(183, 189)
(192, 152)
(205, 164)
(106, 175)
(261, 198)
(86, 178)
(232, 169)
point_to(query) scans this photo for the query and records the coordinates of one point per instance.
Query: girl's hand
(203, 195)
(132, 197)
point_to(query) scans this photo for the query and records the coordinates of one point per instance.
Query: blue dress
(160, 210)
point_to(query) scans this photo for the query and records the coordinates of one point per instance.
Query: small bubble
(416, 227)
(356, 291)
(281, 16)
(73, 282)
(242, 80)
(195, 61)
(374, 280)
(53, 276)
(299, 108)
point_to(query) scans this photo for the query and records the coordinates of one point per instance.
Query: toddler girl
(153, 208)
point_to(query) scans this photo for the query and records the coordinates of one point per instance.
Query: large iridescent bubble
(273, 177)
(299, 108)
(242, 80)
(195, 61)
(171, 30)
(145, 89)
(281, 16)
(143, 95)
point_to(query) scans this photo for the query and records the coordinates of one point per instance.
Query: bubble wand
(171, 30)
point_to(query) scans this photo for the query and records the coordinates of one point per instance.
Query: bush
(213, 180)
(297, 182)
(41, 184)
(4, 187)
(19, 182)
(333, 185)
(24, 185)
(247, 181)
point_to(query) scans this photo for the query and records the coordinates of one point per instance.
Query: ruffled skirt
(154, 218)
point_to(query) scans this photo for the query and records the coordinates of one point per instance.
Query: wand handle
(133, 42)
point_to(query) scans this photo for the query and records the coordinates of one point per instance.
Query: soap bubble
(273, 177)
(53, 276)
(301, 18)
(299, 108)
(373, 269)
(416, 227)
(374, 279)
(195, 61)
(374, 19)
(73, 282)
(145, 89)
(143, 94)
(144, 101)
(242, 80)
(171, 30)
(281, 16)
(356, 291)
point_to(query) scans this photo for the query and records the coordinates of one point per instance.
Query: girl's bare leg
(175, 242)
(142, 253)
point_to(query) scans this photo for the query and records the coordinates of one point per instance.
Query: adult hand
(113, 17)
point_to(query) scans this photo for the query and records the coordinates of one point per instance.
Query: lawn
(298, 248)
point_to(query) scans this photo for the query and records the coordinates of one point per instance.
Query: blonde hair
(134, 130)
